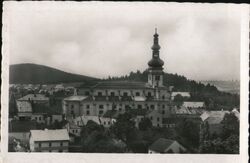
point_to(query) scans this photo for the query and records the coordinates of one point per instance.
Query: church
(151, 96)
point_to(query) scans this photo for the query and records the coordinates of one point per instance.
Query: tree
(145, 124)
(230, 126)
(189, 129)
(124, 127)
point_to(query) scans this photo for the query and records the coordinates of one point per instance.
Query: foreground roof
(49, 135)
(161, 145)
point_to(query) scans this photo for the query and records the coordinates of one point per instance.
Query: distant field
(225, 86)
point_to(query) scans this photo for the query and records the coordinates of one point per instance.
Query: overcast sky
(201, 41)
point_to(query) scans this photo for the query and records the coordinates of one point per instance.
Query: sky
(199, 41)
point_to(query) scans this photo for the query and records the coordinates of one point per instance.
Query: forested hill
(213, 98)
(28, 73)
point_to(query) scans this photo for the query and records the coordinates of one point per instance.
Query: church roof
(122, 85)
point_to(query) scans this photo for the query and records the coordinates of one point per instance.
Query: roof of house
(75, 98)
(22, 126)
(214, 117)
(49, 135)
(34, 97)
(24, 106)
(184, 94)
(161, 145)
(193, 104)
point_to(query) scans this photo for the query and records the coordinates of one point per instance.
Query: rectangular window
(40, 118)
(40, 145)
(49, 144)
(100, 106)
(112, 94)
(100, 112)
(72, 106)
(158, 119)
(87, 112)
(87, 106)
(163, 106)
(87, 93)
(139, 107)
(157, 77)
(137, 93)
(99, 93)
(125, 94)
(152, 106)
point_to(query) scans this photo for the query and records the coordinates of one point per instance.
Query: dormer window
(112, 94)
(137, 93)
(125, 94)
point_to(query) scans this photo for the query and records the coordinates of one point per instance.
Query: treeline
(213, 98)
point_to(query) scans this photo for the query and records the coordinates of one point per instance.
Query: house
(36, 99)
(156, 118)
(166, 146)
(183, 94)
(193, 104)
(72, 128)
(49, 140)
(214, 119)
(24, 109)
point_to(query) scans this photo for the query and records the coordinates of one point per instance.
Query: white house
(24, 109)
(49, 140)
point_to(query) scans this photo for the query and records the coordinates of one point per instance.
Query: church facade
(151, 96)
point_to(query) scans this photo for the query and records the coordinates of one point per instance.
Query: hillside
(28, 73)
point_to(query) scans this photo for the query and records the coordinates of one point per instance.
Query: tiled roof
(161, 145)
(34, 97)
(214, 117)
(24, 106)
(75, 98)
(49, 135)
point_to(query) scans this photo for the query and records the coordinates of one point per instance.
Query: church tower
(155, 70)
